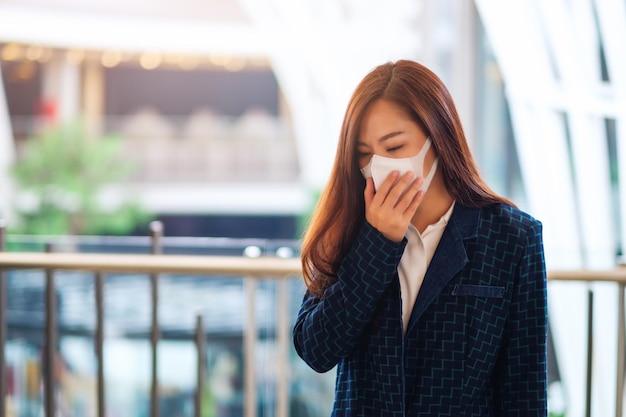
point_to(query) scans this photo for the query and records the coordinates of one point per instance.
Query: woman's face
(387, 130)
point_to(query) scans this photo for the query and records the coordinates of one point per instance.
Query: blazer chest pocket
(469, 290)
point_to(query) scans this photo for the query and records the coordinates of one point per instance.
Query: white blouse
(415, 260)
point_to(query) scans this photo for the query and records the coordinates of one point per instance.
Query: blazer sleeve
(327, 329)
(521, 371)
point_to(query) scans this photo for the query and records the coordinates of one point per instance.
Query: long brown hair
(340, 210)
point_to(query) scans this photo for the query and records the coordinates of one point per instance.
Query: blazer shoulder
(511, 218)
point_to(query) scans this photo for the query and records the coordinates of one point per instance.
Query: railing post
(99, 283)
(589, 352)
(201, 365)
(619, 398)
(282, 389)
(156, 232)
(3, 324)
(50, 343)
(250, 339)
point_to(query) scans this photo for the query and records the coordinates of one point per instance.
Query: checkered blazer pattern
(476, 340)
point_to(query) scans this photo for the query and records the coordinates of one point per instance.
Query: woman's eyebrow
(390, 135)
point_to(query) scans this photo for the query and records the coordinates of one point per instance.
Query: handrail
(617, 275)
(183, 264)
(268, 267)
(226, 265)
(272, 267)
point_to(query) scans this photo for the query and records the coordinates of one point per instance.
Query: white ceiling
(195, 10)
(102, 26)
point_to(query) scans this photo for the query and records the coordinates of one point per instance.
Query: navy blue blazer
(476, 341)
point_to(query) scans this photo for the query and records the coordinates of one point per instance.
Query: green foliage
(208, 408)
(60, 176)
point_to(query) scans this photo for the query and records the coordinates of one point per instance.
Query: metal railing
(617, 276)
(252, 269)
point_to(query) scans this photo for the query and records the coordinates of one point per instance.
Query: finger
(368, 193)
(399, 188)
(415, 203)
(385, 187)
(409, 194)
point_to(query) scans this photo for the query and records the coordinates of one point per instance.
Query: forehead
(381, 118)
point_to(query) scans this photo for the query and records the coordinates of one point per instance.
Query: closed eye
(395, 148)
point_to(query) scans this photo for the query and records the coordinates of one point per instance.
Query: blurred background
(219, 119)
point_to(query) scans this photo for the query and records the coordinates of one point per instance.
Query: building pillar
(61, 88)
(93, 98)
(448, 32)
(7, 157)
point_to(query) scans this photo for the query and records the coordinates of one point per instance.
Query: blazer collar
(449, 257)
(466, 219)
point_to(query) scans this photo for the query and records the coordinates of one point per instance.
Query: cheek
(362, 161)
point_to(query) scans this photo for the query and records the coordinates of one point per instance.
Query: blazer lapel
(449, 258)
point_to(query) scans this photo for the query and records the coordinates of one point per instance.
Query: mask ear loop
(425, 147)
(431, 174)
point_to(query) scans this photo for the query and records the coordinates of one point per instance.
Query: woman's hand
(391, 208)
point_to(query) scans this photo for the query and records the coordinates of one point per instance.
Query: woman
(425, 288)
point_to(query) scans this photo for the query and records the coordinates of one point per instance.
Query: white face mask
(379, 167)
